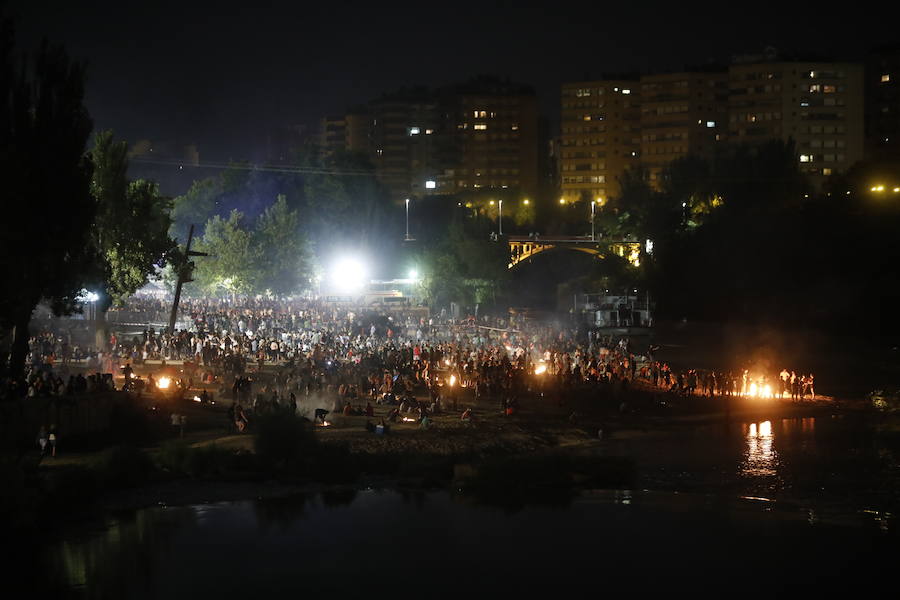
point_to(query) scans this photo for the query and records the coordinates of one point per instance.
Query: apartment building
(681, 114)
(600, 137)
(883, 102)
(819, 105)
(471, 137)
(402, 148)
(488, 139)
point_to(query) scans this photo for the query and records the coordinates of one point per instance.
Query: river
(764, 509)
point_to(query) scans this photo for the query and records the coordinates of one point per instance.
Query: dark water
(722, 539)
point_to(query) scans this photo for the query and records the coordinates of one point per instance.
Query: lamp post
(593, 239)
(501, 217)
(407, 221)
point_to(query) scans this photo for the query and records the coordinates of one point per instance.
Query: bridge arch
(521, 248)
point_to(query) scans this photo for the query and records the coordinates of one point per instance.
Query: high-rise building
(681, 114)
(818, 105)
(488, 138)
(883, 102)
(346, 133)
(600, 136)
(472, 137)
(402, 143)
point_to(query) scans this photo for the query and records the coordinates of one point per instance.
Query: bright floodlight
(413, 274)
(348, 275)
(88, 296)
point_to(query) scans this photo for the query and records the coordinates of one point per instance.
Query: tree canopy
(131, 227)
(45, 234)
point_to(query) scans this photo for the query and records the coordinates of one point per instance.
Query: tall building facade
(681, 114)
(488, 138)
(402, 142)
(472, 137)
(883, 102)
(608, 126)
(599, 138)
(819, 105)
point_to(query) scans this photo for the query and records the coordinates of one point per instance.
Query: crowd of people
(346, 357)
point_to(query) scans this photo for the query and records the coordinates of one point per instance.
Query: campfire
(759, 391)
(163, 383)
(408, 420)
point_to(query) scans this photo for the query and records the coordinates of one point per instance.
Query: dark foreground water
(725, 542)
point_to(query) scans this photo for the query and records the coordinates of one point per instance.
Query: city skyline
(225, 80)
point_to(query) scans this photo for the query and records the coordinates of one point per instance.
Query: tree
(231, 266)
(45, 234)
(132, 223)
(286, 257)
(197, 206)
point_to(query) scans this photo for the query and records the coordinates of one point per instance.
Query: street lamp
(408, 239)
(593, 239)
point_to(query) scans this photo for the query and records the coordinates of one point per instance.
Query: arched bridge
(523, 247)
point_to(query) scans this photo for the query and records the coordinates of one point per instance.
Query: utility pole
(185, 275)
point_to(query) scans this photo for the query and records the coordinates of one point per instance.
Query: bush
(124, 466)
(283, 440)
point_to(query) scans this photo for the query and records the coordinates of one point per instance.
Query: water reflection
(760, 457)
(231, 550)
(121, 555)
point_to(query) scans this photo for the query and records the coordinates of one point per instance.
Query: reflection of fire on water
(760, 458)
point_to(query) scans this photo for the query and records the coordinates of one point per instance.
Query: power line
(255, 167)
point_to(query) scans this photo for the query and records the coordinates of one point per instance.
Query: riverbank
(544, 446)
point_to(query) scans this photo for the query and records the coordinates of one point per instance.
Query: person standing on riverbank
(51, 439)
(43, 440)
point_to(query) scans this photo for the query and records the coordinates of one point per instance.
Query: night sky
(223, 75)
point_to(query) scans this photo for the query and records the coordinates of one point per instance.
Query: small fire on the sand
(408, 420)
(759, 391)
(325, 424)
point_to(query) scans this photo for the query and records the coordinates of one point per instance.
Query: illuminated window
(413, 131)
(885, 78)
(829, 89)
(481, 126)
(815, 87)
(586, 117)
(710, 124)
(430, 185)
(826, 171)
(626, 92)
(805, 158)
(515, 127)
